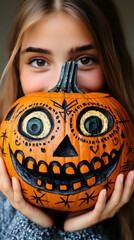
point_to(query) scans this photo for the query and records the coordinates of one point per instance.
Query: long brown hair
(101, 17)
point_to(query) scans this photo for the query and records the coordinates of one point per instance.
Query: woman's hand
(13, 192)
(103, 210)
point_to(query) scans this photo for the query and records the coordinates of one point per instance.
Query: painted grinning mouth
(42, 176)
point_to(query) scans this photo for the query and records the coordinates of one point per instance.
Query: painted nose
(67, 80)
(65, 149)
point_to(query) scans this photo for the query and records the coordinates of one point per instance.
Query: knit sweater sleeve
(106, 230)
(15, 226)
(100, 231)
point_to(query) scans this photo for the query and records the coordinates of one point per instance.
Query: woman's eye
(39, 63)
(86, 61)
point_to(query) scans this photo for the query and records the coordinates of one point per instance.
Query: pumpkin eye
(36, 124)
(94, 122)
(93, 125)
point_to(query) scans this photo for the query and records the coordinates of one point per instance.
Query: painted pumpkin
(65, 147)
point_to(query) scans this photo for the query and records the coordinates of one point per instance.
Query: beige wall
(126, 10)
(8, 7)
(7, 11)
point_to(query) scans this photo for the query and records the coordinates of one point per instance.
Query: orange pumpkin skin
(46, 142)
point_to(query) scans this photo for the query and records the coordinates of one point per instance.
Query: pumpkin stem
(67, 80)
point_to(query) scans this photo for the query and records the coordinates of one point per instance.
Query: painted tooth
(113, 154)
(39, 182)
(91, 181)
(30, 165)
(63, 187)
(43, 168)
(106, 160)
(84, 169)
(70, 170)
(97, 165)
(49, 186)
(19, 157)
(77, 185)
(56, 170)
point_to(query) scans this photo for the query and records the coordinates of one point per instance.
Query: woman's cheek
(30, 84)
(90, 80)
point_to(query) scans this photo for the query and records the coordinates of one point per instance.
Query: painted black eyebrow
(37, 50)
(82, 48)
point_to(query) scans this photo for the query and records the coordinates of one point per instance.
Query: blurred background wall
(7, 12)
(8, 9)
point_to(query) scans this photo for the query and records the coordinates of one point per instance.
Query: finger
(40, 217)
(100, 205)
(82, 221)
(5, 183)
(35, 214)
(77, 222)
(114, 201)
(18, 197)
(128, 188)
(18, 200)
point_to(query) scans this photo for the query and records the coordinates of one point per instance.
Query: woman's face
(51, 42)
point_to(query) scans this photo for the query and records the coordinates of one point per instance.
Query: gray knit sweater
(15, 226)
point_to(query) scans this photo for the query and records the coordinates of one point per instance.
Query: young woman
(45, 35)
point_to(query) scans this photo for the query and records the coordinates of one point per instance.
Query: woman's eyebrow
(81, 48)
(46, 51)
(37, 50)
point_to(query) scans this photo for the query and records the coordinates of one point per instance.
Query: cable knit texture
(97, 232)
(15, 226)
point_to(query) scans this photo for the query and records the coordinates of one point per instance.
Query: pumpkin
(65, 146)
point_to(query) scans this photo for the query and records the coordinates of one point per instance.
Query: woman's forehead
(57, 26)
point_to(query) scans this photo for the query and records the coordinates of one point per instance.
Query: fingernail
(13, 180)
(121, 178)
(132, 176)
(104, 192)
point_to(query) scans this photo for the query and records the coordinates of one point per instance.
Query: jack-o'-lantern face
(65, 147)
